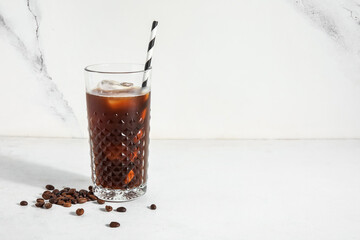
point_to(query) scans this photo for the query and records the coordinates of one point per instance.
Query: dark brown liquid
(119, 138)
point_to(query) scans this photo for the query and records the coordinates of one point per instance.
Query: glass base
(117, 195)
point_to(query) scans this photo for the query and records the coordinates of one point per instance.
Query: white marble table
(203, 190)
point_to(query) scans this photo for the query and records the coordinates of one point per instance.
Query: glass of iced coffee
(118, 107)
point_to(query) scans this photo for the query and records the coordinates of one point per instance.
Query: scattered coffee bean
(152, 206)
(49, 187)
(83, 192)
(39, 204)
(82, 200)
(100, 201)
(79, 211)
(114, 224)
(121, 209)
(23, 203)
(48, 205)
(92, 197)
(65, 197)
(72, 191)
(46, 195)
(108, 208)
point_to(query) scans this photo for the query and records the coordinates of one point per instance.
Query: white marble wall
(222, 69)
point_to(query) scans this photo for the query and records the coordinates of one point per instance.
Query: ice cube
(108, 85)
(126, 84)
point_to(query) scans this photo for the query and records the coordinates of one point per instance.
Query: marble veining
(339, 19)
(56, 102)
(14, 39)
(40, 57)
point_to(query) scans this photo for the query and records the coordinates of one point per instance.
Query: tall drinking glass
(118, 107)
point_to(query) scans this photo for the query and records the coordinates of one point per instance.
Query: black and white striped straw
(150, 51)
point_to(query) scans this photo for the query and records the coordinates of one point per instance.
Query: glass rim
(96, 68)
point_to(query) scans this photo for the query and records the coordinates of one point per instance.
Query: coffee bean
(114, 224)
(49, 187)
(67, 204)
(79, 211)
(100, 201)
(56, 191)
(121, 209)
(39, 204)
(60, 202)
(92, 197)
(46, 195)
(90, 188)
(66, 189)
(48, 205)
(40, 200)
(83, 192)
(108, 208)
(82, 200)
(23, 203)
(52, 200)
(71, 191)
(152, 206)
(52, 195)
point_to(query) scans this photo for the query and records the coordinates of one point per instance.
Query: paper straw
(150, 51)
